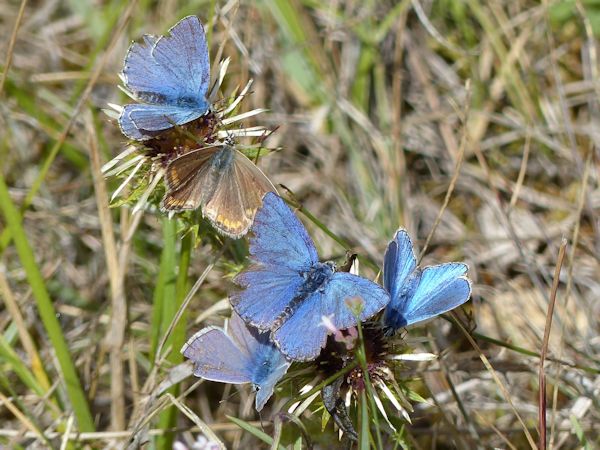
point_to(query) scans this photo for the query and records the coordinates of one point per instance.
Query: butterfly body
(416, 293)
(288, 291)
(221, 162)
(220, 180)
(170, 76)
(316, 278)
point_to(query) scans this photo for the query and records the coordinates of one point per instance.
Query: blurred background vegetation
(483, 115)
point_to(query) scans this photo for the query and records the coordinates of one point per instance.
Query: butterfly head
(392, 321)
(229, 140)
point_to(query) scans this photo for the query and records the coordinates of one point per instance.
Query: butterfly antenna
(262, 139)
(267, 134)
(230, 396)
(292, 199)
(260, 418)
(230, 139)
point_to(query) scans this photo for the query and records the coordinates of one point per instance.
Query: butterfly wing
(302, 335)
(281, 250)
(147, 80)
(247, 338)
(216, 357)
(237, 195)
(221, 180)
(279, 240)
(184, 56)
(185, 180)
(264, 294)
(399, 262)
(428, 293)
(268, 363)
(136, 119)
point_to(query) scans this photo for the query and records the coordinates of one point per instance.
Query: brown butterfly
(223, 182)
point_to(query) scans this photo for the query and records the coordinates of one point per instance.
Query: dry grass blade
(458, 164)
(522, 172)
(34, 358)
(499, 383)
(22, 418)
(66, 436)
(203, 427)
(547, 328)
(502, 436)
(571, 262)
(115, 336)
(11, 45)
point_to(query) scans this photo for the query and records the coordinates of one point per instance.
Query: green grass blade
(171, 305)
(18, 366)
(22, 410)
(254, 431)
(46, 310)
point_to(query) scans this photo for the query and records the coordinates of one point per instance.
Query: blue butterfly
(416, 293)
(170, 76)
(239, 355)
(288, 291)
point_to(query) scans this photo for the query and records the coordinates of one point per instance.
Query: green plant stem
(46, 310)
(165, 286)
(363, 443)
(368, 386)
(168, 417)
(346, 245)
(534, 354)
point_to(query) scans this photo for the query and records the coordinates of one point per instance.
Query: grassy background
(384, 109)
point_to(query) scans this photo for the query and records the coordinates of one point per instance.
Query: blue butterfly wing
(302, 335)
(217, 357)
(399, 262)
(184, 56)
(344, 286)
(145, 78)
(264, 294)
(268, 363)
(135, 119)
(279, 240)
(280, 250)
(128, 128)
(429, 292)
(248, 339)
